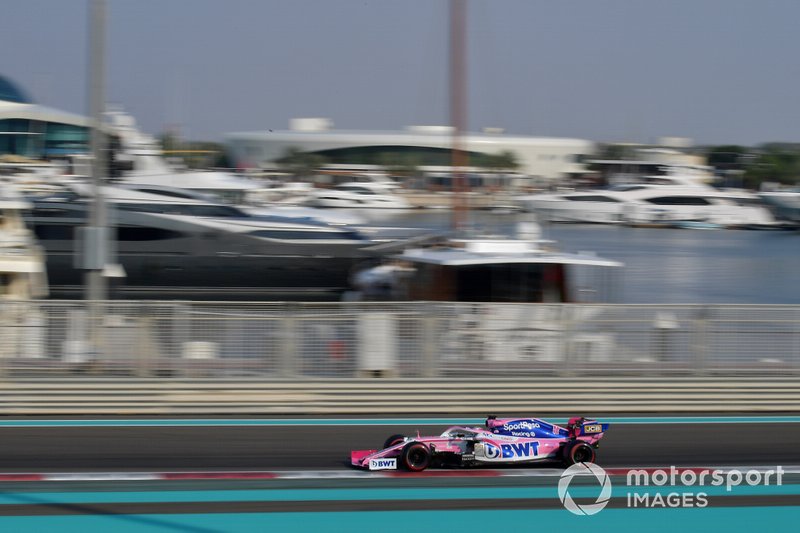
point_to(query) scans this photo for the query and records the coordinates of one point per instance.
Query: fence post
(146, 353)
(288, 347)
(566, 341)
(430, 363)
(701, 341)
(6, 352)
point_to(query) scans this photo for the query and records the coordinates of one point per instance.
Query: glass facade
(61, 139)
(397, 156)
(36, 139)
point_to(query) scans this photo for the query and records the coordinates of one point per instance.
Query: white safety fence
(220, 340)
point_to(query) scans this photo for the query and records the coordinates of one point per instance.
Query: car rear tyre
(394, 439)
(415, 457)
(578, 452)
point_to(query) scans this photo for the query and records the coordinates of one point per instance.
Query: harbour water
(662, 266)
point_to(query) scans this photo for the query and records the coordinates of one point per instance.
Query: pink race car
(502, 441)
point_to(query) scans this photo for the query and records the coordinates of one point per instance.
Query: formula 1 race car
(502, 441)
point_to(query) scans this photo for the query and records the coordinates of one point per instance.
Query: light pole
(458, 109)
(95, 235)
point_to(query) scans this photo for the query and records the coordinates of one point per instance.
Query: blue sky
(717, 71)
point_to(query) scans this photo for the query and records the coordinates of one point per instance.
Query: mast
(458, 109)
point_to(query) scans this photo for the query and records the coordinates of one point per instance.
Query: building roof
(10, 110)
(414, 135)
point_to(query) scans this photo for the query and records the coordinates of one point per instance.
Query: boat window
(211, 211)
(289, 219)
(591, 198)
(216, 211)
(623, 188)
(747, 201)
(125, 233)
(57, 212)
(305, 235)
(359, 190)
(172, 194)
(60, 196)
(53, 232)
(509, 283)
(679, 200)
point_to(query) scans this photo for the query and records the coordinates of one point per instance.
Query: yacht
(183, 247)
(358, 195)
(784, 203)
(141, 162)
(522, 268)
(22, 263)
(661, 200)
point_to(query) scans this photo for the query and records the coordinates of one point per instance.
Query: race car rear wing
(579, 426)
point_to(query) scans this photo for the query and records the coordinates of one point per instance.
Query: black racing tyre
(394, 439)
(415, 457)
(578, 452)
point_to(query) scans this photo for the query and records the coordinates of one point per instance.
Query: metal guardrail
(317, 396)
(169, 340)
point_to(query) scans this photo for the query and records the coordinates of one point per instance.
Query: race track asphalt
(120, 449)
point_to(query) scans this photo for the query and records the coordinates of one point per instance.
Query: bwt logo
(383, 464)
(584, 469)
(522, 449)
(511, 451)
(491, 451)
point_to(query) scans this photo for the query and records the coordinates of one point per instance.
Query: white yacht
(784, 203)
(660, 200)
(177, 247)
(149, 172)
(358, 195)
(22, 260)
(144, 164)
(523, 268)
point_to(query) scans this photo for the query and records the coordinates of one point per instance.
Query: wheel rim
(416, 457)
(582, 454)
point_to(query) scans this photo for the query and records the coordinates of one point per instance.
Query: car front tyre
(415, 457)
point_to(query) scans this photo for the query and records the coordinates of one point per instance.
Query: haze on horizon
(716, 71)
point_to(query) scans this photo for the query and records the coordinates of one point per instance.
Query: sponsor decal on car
(529, 434)
(521, 424)
(511, 452)
(593, 428)
(383, 464)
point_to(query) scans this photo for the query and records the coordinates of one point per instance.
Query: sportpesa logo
(522, 424)
(584, 469)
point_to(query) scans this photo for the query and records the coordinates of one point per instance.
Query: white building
(428, 146)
